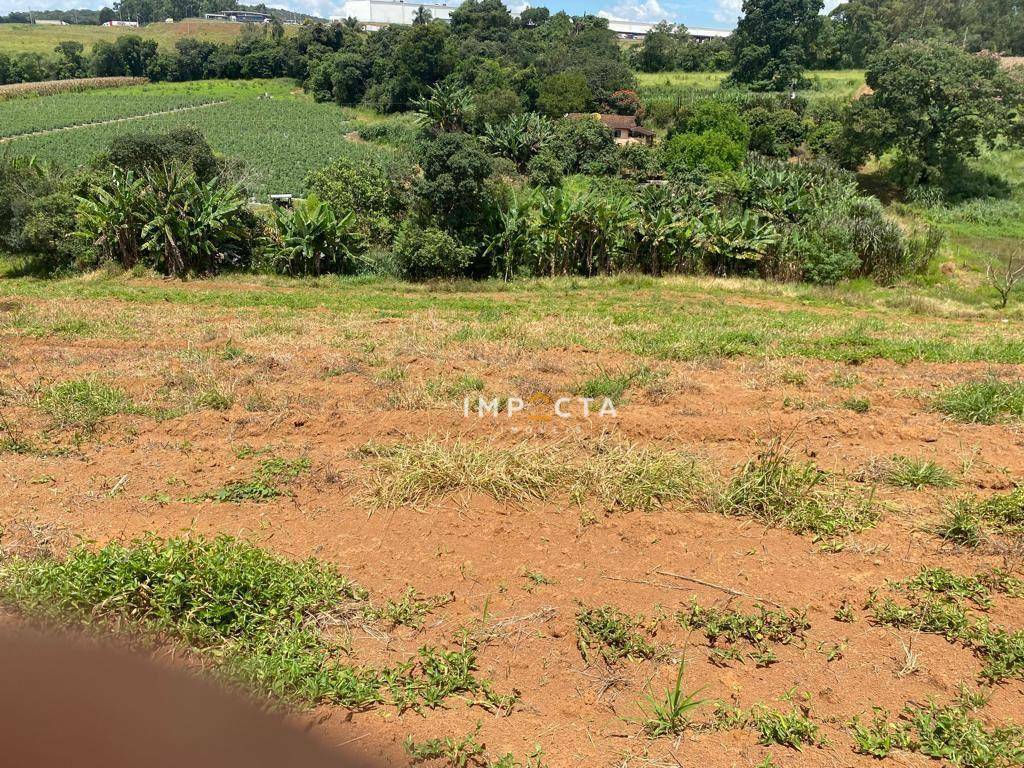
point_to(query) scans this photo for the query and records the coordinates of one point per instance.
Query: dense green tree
(657, 53)
(772, 41)
(564, 93)
(451, 192)
(935, 105)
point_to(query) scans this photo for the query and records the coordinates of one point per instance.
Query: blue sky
(717, 14)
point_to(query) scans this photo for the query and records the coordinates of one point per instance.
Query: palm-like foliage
(112, 216)
(519, 138)
(663, 231)
(445, 108)
(728, 242)
(313, 239)
(190, 222)
(516, 243)
(182, 224)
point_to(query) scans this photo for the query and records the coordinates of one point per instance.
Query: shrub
(715, 116)
(823, 247)
(703, 153)
(375, 186)
(584, 145)
(145, 151)
(777, 132)
(426, 253)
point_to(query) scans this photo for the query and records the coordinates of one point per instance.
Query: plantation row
(68, 109)
(276, 138)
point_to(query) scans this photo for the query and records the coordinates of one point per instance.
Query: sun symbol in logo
(540, 406)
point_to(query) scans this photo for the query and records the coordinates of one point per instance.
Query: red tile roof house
(624, 127)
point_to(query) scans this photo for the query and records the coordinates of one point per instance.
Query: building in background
(251, 17)
(374, 14)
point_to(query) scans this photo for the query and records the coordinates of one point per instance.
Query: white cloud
(728, 11)
(635, 10)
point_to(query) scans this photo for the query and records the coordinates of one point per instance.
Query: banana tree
(313, 239)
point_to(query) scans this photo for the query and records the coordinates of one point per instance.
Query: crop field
(809, 495)
(26, 38)
(279, 132)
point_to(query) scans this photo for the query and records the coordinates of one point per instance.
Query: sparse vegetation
(670, 714)
(940, 602)
(972, 521)
(266, 482)
(943, 733)
(613, 635)
(727, 631)
(778, 492)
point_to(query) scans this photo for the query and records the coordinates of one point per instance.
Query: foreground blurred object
(65, 702)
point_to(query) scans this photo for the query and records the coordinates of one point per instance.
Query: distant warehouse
(247, 16)
(374, 14)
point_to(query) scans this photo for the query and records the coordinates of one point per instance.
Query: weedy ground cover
(254, 616)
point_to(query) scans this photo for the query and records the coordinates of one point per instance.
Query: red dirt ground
(133, 474)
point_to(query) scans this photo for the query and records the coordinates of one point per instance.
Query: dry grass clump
(619, 476)
(414, 473)
(775, 490)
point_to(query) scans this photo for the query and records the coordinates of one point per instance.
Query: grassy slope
(843, 83)
(20, 38)
(673, 319)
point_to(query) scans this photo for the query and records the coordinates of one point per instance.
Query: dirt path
(7, 139)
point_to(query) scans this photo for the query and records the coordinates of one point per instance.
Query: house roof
(615, 122)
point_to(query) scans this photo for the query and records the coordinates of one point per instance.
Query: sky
(716, 14)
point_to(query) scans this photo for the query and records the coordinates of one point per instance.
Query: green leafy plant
(670, 714)
(614, 635)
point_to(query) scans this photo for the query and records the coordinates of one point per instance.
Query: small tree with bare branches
(1005, 275)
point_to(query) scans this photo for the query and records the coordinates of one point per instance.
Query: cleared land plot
(549, 557)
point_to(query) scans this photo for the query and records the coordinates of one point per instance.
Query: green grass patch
(268, 481)
(252, 615)
(911, 473)
(972, 521)
(983, 402)
(83, 403)
(613, 384)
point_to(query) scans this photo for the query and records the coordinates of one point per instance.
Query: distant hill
(40, 38)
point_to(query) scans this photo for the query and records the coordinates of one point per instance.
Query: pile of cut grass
(252, 615)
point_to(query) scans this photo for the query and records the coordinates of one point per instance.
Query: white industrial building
(377, 13)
